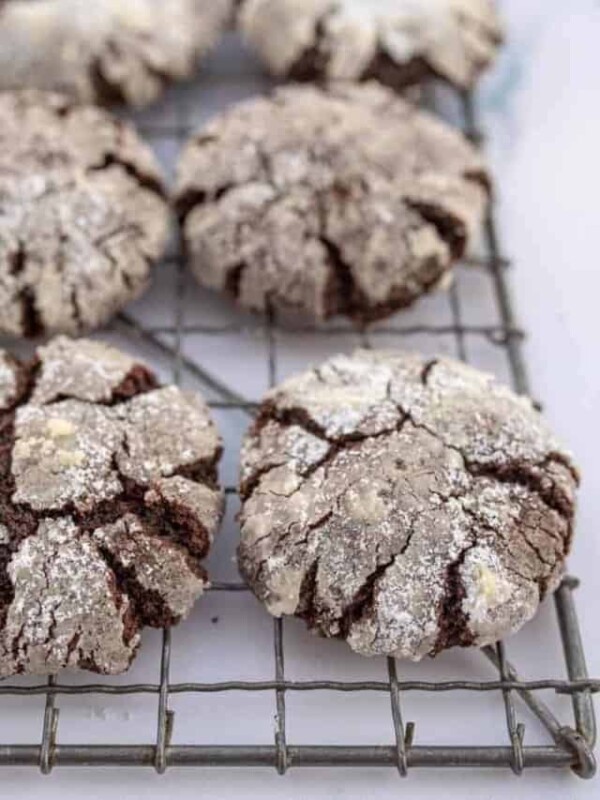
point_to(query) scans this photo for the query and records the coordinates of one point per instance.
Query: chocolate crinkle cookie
(108, 504)
(404, 505)
(82, 214)
(397, 42)
(340, 201)
(106, 51)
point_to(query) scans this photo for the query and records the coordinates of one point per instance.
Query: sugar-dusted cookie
(82, 214)
(402, 504)
(341, 201)
(397, 42)
(106, 51)
(108, 504)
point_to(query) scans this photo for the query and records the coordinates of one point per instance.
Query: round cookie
(397, 42)
(106, 51)
(83, 216)
(404, 505)
(304, 200)
(108, 503)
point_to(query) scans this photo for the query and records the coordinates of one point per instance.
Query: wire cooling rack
(164, 325)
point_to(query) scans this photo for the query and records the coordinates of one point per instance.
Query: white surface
(541, 105)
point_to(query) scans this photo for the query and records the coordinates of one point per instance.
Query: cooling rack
(165, 337)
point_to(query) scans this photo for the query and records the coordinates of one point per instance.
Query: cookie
(108, 504)
(106, 51)
(305, 201)
(397, 42)
(403, 505)
(82, 214)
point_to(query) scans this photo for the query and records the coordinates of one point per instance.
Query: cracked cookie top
(83, 214)
(108, 503)
(305, 201)
(404, 505)
(106, 51)
(397, 42)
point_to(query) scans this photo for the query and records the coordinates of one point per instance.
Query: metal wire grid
(573, 745)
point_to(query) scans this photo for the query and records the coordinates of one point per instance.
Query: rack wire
(572, 743)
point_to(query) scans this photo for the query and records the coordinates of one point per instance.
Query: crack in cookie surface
(397, 42)
(304, 201)
(109, 502)
(83, 214)
(405, 505)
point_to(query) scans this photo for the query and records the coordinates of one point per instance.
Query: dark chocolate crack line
(82, 214)
(404, 505)
(345, 201)
(397, 42)
(106, 51)
(109, 502)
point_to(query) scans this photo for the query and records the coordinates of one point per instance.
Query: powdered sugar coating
(83, 215)
(109, 50)
(57, 621)
(8, 380)
(404, 505)
(80, 368)
(303, 200)
(165, 431)
(107, 508)
(395, 41)
(64, 454)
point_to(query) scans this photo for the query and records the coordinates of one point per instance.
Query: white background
(541, 106)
